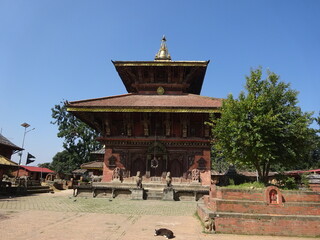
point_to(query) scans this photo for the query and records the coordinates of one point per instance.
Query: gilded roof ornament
(163, 53)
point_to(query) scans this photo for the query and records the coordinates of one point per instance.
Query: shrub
(286, 182)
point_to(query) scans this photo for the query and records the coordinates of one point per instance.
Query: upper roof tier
(175, 77)
(162, 76)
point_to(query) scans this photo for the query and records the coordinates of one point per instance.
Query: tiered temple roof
(161, 85)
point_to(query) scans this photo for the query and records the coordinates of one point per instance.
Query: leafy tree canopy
(79, 140)
(264, 126)
(45, 165)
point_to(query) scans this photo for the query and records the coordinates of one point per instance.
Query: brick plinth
(315, 187)
(268, 225)
(258, 195)
(256, 207)
(107, 169)
(264, 212)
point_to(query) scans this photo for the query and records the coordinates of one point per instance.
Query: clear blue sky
(52, 51)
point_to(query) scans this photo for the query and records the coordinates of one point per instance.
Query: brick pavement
(61, 216)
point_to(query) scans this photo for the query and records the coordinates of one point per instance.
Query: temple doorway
(176, 168)
(138, 165)
(157, 159)
(157, 165)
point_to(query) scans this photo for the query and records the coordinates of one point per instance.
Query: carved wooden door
(138, 165)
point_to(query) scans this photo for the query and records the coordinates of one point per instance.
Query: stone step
(153, 194)
(38, 189)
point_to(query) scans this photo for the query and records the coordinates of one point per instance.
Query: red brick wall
(262, 208)
(205, 175)
(258, 195)
(22, 172)
(268, 226)
(315, 187)
(108, 171)
(234, 194)
(297, 215)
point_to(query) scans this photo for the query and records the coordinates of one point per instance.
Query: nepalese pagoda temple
(159, 125)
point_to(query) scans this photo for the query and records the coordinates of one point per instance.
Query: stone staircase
(154, 194)
(38, 189)
(151, 190)
(154, 191)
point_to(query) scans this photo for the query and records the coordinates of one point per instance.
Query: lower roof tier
(147, 103)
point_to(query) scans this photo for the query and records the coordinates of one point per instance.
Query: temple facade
(159, 125)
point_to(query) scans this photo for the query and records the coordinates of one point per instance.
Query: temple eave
(161, 63)
(151, 138)
(141, 109)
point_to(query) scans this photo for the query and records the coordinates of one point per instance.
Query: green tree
(79, 140)
(264, 126)
(45, 165)
(64, 163)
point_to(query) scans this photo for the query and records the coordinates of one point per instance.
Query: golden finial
(163, 53)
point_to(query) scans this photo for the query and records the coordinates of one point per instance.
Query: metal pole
(24, 135)
(25, 125)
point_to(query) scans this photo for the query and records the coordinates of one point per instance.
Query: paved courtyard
(61, 216)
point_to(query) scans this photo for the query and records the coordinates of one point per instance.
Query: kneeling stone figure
(209, 225)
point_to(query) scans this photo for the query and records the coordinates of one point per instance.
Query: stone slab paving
(61, 216)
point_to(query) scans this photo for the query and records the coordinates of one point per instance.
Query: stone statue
(138, 179)
(273, 196)
(116, 174)
(209, 225)
(195, 175)
(167, 127)
(146, 128)
(206, 131)
(169, 179)
(107, 128)
(129, 129)
(184, 129)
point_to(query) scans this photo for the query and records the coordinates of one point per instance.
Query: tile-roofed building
(159, 125)
(35, 173)
(94, 167)
(7, 148)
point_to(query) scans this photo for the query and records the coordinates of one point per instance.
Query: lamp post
(25, 125)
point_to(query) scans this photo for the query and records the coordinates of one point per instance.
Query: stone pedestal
(116, 180)
(137, 194)
(195, 183)
(168, 194)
